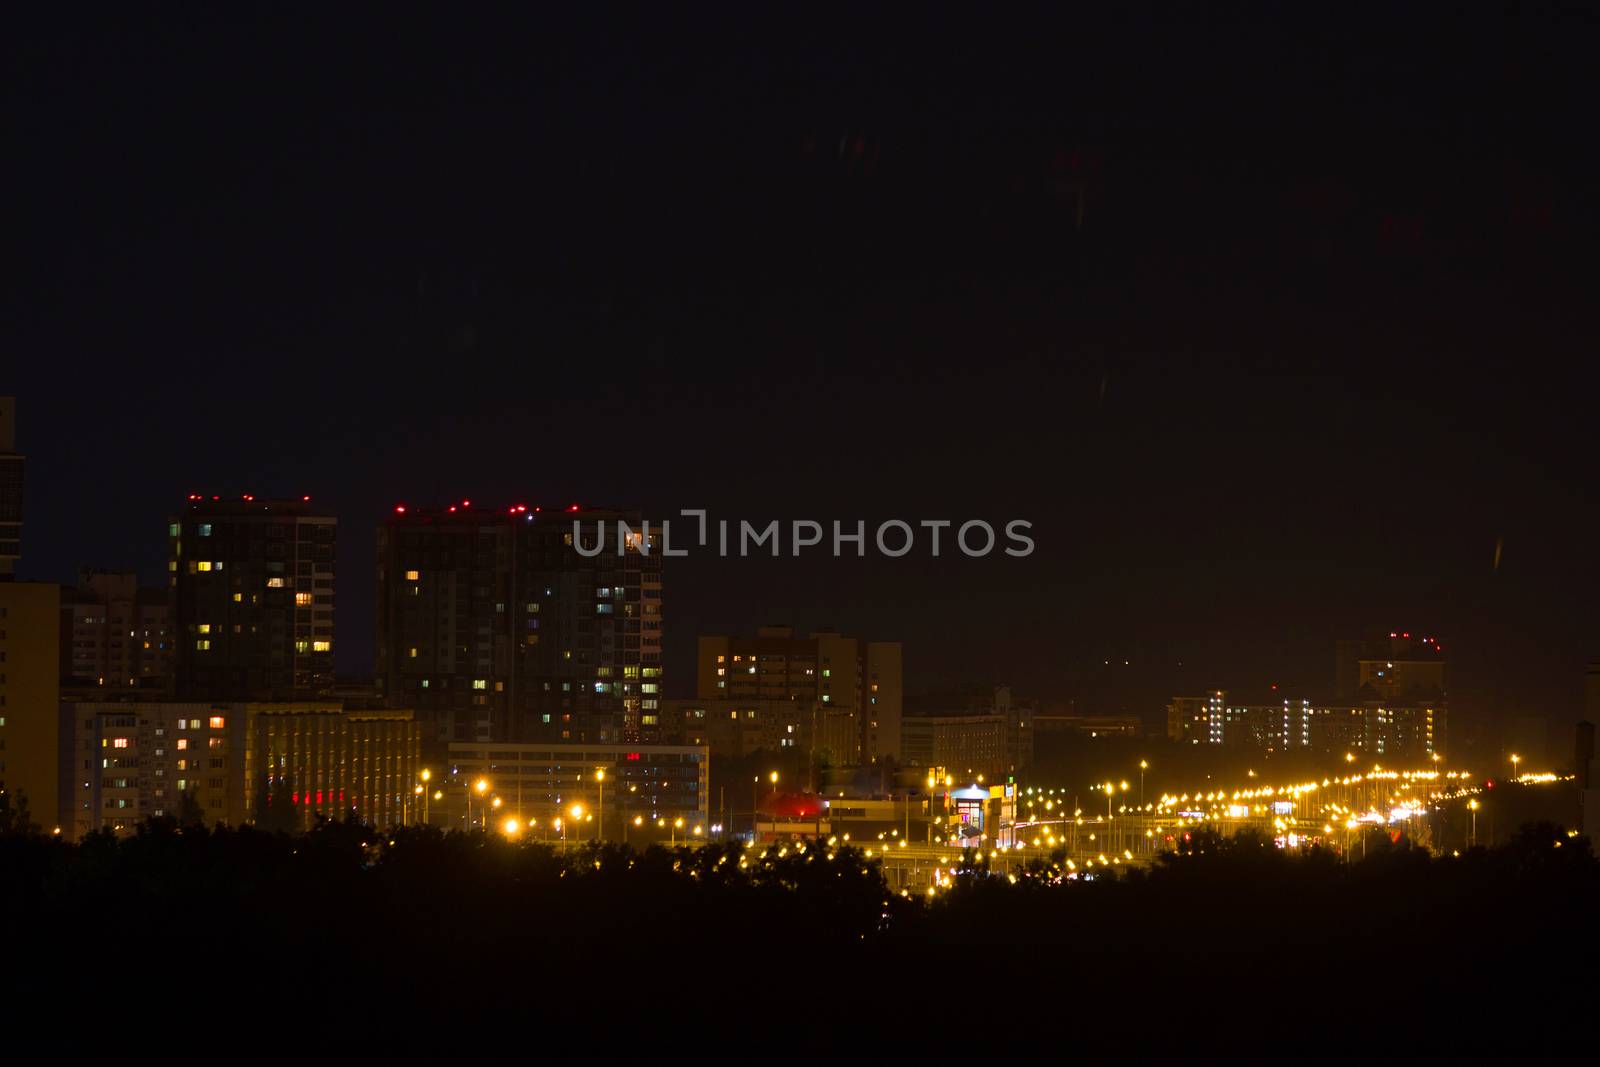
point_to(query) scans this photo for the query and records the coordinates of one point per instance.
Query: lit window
(203, 645)
(274, 583)
(203, 565)
(411, 653)
(412, 576)
(322, 646)
(218, 722)
(183, 742)
(302, 599)
(172, 530)
(238, 598)
(119, 742)
(480, 683)
(205, 529)
(204, 627)
(302, 647)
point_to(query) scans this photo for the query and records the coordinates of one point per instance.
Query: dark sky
(1320, 340)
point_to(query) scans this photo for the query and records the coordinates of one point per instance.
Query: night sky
(1320, 341)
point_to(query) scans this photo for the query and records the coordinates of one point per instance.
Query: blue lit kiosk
(971, 815)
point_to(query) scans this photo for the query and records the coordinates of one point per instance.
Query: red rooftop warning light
(399, 509)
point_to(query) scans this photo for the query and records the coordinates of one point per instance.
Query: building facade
(30, 731)
(837, 672)
(115, 635)
(1407, 731)
(734, 728)
(617, 789)
(512, 624)
(280, 765)
(11, 463)
(252, 599)
(972, 747)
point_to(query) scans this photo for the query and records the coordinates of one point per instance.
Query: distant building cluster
(1391, 700)
(847, 693)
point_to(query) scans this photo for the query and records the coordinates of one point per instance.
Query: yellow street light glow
(577, 811)
(511, 827)
(482, 786)
(427, 775)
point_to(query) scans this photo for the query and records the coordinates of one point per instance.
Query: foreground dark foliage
(425, 920)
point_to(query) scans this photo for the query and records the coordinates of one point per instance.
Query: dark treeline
(421, 919)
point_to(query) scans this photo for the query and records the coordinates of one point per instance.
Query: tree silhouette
(275, 806)
(189, 810)
(15, 818)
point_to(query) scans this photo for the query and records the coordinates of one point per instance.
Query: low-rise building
(615, 788)
(282, 765)
(969, 746)
(737, 728)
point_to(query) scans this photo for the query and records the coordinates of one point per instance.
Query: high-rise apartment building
(253, 599)
(518, 625)
(839, 673)
(1394, 669)
(30, 698)
(1404, 731)
(234, 763)
(115, 635)
(10, 488)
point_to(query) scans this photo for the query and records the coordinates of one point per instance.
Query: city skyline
(728, 529)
